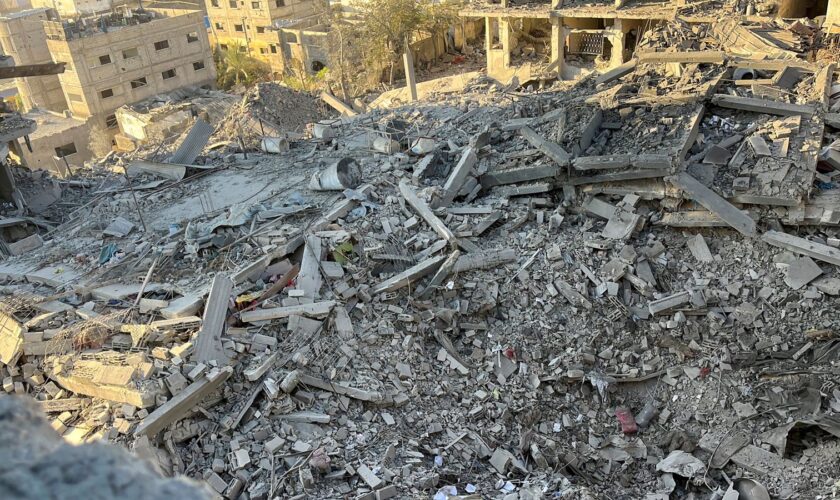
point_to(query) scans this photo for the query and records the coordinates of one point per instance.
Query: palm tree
(237, 63)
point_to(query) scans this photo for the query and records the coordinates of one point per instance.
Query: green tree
(235, 67)
(385, 28)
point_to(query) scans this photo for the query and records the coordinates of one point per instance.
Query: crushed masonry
(624, 284)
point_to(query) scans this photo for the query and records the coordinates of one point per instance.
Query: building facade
(254, 26)
(70, 8)
(22, 37)
(138, 55)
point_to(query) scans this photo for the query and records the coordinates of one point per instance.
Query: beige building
(56, 140)
(22, 37)
(254, 25)
(138, 55)
(69, 8)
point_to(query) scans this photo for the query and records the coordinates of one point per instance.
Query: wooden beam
(31, 70)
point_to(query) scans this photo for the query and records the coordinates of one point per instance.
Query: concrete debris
(621, 285)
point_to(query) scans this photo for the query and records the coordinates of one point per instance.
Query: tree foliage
(366, 43)
(235, 67)
(386, 27)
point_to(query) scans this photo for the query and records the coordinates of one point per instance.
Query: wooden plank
(426, 213)
(691, 57)
(177, 407)
(714, 203)
(667, 303)
(548, 148)
(315, 309)
(208, 341)
(802, 246)
(409, 276)
(22, 71)
(766, 106)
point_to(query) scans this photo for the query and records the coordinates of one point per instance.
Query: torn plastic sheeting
(681, 463)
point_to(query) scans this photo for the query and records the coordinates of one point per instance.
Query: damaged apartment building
(123, 56)
(269, 30)
(566, 38)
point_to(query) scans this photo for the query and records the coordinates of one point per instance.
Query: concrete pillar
(558, 45)
(504, 38)
(410, 81)
(832, 16)
(488, 34)
(617, 40)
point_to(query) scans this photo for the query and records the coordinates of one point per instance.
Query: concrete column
(617, 40)
(410, 81)
(504, 38)
(488, 34)
(558, 45)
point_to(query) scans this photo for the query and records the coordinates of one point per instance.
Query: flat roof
(49, 123)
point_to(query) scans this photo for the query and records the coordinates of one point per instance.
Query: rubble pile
(622, 287)
(269, 108)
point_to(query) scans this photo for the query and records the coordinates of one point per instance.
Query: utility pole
(247, 40)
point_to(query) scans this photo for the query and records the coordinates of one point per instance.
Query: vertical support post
(558, 45)
(504, 38)
(617, 40)
(410, 82)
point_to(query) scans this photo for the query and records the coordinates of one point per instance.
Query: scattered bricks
(389, 491)
(274, 444)
(368, 476)
(216, 482)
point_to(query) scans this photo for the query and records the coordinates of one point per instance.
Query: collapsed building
(564, 38)
(621, 286)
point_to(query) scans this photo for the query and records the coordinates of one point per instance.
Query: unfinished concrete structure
(565, 38)
(254, 26)
(140, 54)
(22, 37)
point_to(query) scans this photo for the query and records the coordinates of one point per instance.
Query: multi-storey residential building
(124, 58)
(254, 26)
(22, 37)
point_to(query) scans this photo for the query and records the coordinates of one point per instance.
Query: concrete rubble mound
(271, 109)
(621, 287)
